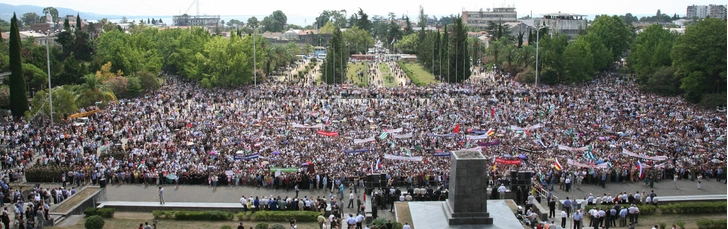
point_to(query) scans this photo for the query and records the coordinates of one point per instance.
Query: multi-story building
(190, 20)
(479, 19)
(563, 23)
(717, 11)
(713, 11)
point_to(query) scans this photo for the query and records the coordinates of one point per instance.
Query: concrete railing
(77, 209)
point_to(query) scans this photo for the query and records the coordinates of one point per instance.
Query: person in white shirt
(351, 221)
(244, 202)
(563, 218)
(401, 197)
(648, 200)
(502, 191)
(406, 226)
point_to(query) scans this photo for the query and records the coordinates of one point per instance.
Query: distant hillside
(7, 10)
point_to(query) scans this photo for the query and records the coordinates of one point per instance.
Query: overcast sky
(372, 7)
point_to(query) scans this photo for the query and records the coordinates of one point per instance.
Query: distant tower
(49, 18)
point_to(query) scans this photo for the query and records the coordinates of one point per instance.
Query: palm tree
(93, 90)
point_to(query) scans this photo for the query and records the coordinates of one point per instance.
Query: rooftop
(559, 14)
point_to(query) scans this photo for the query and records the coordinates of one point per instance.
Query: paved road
(200, 193)
(662, 188)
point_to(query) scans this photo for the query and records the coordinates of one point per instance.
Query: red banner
(507, 161)
(328, 134)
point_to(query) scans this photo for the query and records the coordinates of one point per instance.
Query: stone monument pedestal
(468, 195)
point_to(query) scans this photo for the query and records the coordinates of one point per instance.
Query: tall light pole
(48, 59)
(255, 68)
(537, 39)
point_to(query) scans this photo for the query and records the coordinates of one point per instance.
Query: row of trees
(446, 54)
(693, 64)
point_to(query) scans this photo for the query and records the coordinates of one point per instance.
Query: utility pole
(50, 88)
(255, 68)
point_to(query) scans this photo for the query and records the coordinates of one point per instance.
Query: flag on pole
(490, 132)
(457, 128)
(639, 166)
(557, 165)
(379, 164)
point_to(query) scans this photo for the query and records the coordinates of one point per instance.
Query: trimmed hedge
(46, 173)
(94, 222)
(285, 216)
(712, 224)
(204, 215)
(163, 214)
(694, 208)
(261, 226)
(103, 212)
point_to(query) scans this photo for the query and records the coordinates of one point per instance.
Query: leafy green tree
(334, 70)
(363, 21)
(700, 60)
(459, 59)
(149, 81)
(328, 28)
(276, 22)
(35, 78)
(53, 11)
(133, 87)
(358, 39)
(614, 33)
(408, 28)
(651, 51)
(18, 98)
(29, 18)
(551, 60)
(93, 90)
(66, 25)
(64, 102)
(601, 55)
(408, 44)
(579, 66)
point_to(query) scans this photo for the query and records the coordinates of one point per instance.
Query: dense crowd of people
(277, 135)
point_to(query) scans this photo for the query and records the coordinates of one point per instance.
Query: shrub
(88, 212)
(242, 216)
(285, 216)
(226, 227)
(204, 215)
(380, 222)
(45, 173)
(647, 209)
(94, 222)
(397, 225)
(277, 226)
(694, 208)
(681, 224)
(711, 224)
(663, 225)
(261, 226)
(106, 212)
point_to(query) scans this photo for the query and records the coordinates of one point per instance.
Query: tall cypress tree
(78, 22)
(66, 25)
(445, 54)
(18, 98)
(459, 60)
(1, 37)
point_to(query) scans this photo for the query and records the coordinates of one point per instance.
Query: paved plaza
(662, 188)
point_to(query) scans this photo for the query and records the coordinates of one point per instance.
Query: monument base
(429, 214)
(465, 218)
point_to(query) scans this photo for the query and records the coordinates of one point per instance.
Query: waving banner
(400, 158)
(442, 154)
(526, 128)
(356, 150)
(317, 126)
(656, 158)
(582, 165)
(441, 135)
(359, 141)
(563, 147)
(490, 143)
(504, 161)
(476, 137)
(391, 131)
(327, 134)
(400, 136)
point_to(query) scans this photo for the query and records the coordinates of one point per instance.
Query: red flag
(457, 128)
(492, 112)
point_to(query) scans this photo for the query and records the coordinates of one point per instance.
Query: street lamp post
(48, 59)
(255, 69)
(537, 39)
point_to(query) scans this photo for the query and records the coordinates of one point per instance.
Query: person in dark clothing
(552, 208)
(519, 192)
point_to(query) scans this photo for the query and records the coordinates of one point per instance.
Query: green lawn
(419, 76)
(355, 68)
(389, 80)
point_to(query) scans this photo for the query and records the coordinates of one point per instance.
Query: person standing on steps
(161, 195)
